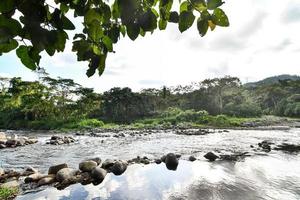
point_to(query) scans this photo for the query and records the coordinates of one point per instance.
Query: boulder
(10, 184)
(85, 178)
(47, 180)
(2, 146)
(119, 167)
(192, 158)
(97, 160)
(87, 166)
(54, 169)
(171, 161)
(98, 175)
(66, 174)
(33, 178)
(108, 163)
(211, 156)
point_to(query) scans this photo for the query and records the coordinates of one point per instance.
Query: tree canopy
(31, 27)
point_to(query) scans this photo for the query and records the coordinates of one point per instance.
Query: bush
(90, 123)
(242, 110)
(8, 193)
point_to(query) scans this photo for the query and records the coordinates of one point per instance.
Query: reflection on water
(256, 178)
(272, 176)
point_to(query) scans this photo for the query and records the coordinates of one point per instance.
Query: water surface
(266, 176)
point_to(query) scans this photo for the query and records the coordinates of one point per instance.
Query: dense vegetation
(61, 103)
(32, 27)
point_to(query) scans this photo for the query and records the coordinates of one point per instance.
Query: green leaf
(64, 7)
(123, 30)
(23, 54)
(114, 33)
(167, 4)
(162, 24)
(148, 21)
(7, 5)
(202, 26)
(97, 62)
(60, 43)
(79, 35)
(91, 15)
(213, 4)
(219, 18)
(106, 13)
(199, 5)
(133, 30)
(95, 31)
(67, 24)
(184, 6)
(186, 20)
(115, 10)
(102, 64)
(127, 9)
(174, 17)
(108, 43)
(11, 25)
(8, 46)
(83, 48)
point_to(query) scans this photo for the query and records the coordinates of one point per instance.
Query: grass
(8, 193)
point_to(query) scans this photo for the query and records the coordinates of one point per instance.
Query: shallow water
(266, 176)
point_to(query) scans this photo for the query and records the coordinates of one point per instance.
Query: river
(266, 176)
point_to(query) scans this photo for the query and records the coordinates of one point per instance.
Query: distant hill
(272, 80)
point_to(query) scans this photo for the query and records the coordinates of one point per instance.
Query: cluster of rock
(291, 148)
(198, 131)
(121, 133)
(226, 157)
(15, 141)
(267, 146)
(193, 131)
(59, 140)
(11, 178)
(90, 171)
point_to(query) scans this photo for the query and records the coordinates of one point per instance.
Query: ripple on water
(275, 175)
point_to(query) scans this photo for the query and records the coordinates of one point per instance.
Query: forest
(54, 103)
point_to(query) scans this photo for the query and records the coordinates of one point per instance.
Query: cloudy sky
(262, 40)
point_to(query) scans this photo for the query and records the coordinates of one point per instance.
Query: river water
(266, 176)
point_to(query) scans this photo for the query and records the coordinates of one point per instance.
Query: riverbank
(211, 122)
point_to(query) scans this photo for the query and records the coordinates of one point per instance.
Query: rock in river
(192, 158)
(54, 169)
(211, 156)
(65, 174)
(87, 166)
(171, 161)
(49, 179)
(119, 167)
(98, 175)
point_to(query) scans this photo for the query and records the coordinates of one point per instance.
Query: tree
(34, 26)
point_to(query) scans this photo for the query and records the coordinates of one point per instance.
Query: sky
(262, 40)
